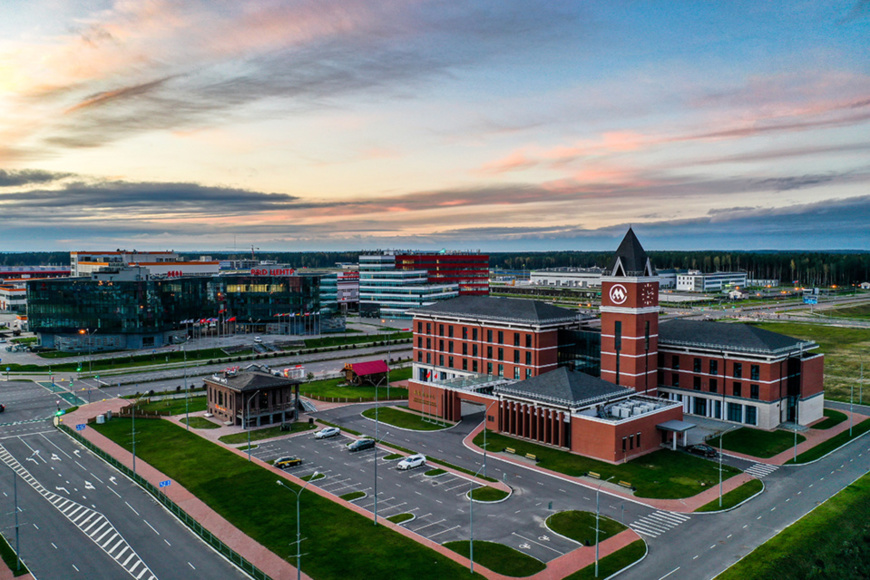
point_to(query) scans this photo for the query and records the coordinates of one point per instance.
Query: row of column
(532, 422)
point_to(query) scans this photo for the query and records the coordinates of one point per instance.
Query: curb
(635, 563)
(403, 428)
(828, 453)
(507, 497)
(734, 507)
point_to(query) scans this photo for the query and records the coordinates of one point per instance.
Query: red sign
(272, 271)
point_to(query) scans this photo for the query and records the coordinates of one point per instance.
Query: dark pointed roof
(565, 387)
(728, 336)
(245, 381)
(630, 258)
(503, 309)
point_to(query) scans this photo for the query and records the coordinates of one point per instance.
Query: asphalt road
(80, 518)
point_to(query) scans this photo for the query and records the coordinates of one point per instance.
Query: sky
(493, 125)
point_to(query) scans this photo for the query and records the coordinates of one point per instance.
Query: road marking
(132, 508)
(55, 547)
(745, 526)
(191, 565)
(713, 546)
(669, 573)
(537, 543)
(152, 527)
(76, 569)
(695, 558)
(115, 492)
(728, 536)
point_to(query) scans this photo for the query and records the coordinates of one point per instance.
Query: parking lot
(439, 504)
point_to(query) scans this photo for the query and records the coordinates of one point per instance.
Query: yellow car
(285, 462)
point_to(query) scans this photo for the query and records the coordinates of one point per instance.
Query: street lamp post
(186, 390)
(248, 420)
(89, 334)
(471, 522)
(721, 437)
(298, 530)
(597, 515)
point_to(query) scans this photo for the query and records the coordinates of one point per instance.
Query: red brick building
(469, 270)
(251, 398)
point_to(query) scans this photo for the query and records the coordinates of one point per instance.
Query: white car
(258, 340)
(412, 461)
(327, 432)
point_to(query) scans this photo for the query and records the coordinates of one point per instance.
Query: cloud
(11, 178)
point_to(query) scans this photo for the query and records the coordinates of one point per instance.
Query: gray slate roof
(246, 381)
(730, 336)
(565, 387)
(502, 309)
(632, 257)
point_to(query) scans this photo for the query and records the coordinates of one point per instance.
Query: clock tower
(630, 319)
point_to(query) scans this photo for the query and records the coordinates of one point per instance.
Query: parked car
(2, 408)
(703, 449)
(327, 432)
(361, 444)
(258, 340)
(285, 462)
(412, 461)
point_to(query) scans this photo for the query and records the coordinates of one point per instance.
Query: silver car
(412, 461)
(327, 432)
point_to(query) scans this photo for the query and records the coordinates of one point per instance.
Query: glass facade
(580, 350)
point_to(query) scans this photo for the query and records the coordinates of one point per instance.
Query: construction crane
(252, 251)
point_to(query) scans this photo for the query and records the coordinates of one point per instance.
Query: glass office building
(128, 309)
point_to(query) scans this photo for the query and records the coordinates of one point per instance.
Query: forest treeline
(806, 268)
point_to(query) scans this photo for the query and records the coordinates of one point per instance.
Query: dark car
(702, 449)
(361, 444)
(286, 462)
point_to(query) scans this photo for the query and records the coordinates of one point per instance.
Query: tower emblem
(618, 294)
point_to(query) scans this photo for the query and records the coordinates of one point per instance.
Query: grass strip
(339, 389)
(832, 418)
(399, 518)
(434, 472)
(663, 474)
(826, 447)
(487, 493)
(267, 433)
(246, 495)
(580, 526)
(401, 419)
(11, 560)
(200, 423)
(756, 442)
(733, 497)
(610, 565)
(499, 558)
(352, 495)
(392, 456)
(832, 541)
(312, 477)
(172, 406)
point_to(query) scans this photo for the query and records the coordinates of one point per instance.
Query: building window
(474, 366)
(473, 334)
(736, 390)
(428, 328)
(755, 373)
(700, 406)
(440, 330)
(528, 358)
(464, 348)
(465, 364)
(738, 370)
(661, 359)
(735, 412)
(528, 341)
(753, 391)
(500, 354)
(489, 352)
(501, 337)
(474, 350)
(489, 336)
(516, 339)
(717, 409)
(489, 368)
(420, 327)
(450, 361)
(638, 440)
(617, 335)
(675, 379)
(440, 360)
(450, 331)
(441, 344)
(751, 415)
(714, 385)
(528, 373)
(501, 370)
(419, 357)
(428, 358)
(516, 357)
(696, 383)
(450, 346)
(516, 372)
(464, 333)
(714, 367)
(429, 343)
(624, 443)
(697, 365)
(419, 342)
(675, 362)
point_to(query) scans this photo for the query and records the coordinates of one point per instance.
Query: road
(80, 518)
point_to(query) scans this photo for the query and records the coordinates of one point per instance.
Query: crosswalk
(91, 522)
(760, 470)
(657, 523)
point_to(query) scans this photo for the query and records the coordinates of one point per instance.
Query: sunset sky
(496, 125)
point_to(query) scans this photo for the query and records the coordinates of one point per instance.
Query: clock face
(648, 295)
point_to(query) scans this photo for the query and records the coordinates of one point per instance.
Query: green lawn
(488, 493)
(246, 495)
(173, 406)
(832, 541)
(339, 389)
(201, 423)
(580, 526)
(861, 312)
(499, 558)
(311, 477)
(267, 433)
(832, 418)
(398, 340)
(733, 497)
(399, 518)
(844, 349)
(662, 474)
(402, 419)
(827, 446)
(393, 456)
(9, 557)
(353, 495)
(756, 442)
(613, 563)
(434, 472)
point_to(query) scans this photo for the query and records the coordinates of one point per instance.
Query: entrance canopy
(675, 426)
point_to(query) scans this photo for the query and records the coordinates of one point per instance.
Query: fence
(183, 516)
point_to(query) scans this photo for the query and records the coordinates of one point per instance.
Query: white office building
(695, 281)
